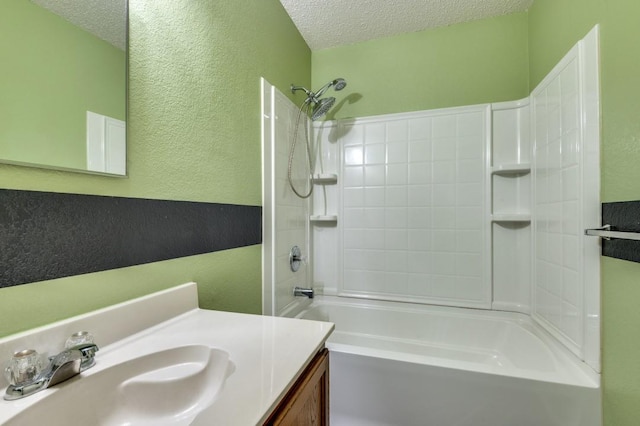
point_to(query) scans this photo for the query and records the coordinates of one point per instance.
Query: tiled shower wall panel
(292, 212)
(414, 207)
(286, 213)
(565, 126)
(557, 183)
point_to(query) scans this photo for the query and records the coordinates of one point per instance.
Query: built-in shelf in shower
(323, 218)
(511, 169)
(511, 217)
(325, 178)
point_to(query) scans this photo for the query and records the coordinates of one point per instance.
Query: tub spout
(299, 291)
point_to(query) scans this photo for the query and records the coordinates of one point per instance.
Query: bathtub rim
(578, 373)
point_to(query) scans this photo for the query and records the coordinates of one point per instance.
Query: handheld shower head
(338, 84)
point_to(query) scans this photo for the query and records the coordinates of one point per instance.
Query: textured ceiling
(331, 23)
(106, 19)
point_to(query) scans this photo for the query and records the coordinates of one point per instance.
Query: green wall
(52, 73)
(194, 134)
(556, 25)
(476, 62)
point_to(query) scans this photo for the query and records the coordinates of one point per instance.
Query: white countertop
(267, 354)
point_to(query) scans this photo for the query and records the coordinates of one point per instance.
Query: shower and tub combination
(447, 246)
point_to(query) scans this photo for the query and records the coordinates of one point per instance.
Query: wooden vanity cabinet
(307, 403)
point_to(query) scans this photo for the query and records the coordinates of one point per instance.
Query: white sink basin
(162, 388)
(157, 365)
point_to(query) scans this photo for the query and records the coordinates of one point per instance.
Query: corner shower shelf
(323, 218)
(325, 178)
(511, 217)
(511, 169)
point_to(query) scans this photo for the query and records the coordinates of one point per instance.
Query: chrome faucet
(65, 365)
(299, 291)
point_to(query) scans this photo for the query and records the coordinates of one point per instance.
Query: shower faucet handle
(296, 258)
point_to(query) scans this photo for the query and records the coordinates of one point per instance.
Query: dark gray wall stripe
(45, 235)
(622, 216)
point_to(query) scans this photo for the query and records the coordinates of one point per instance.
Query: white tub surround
(566, 200)
(266, 354)
(478, 206)
(285, 216)
(453, 365)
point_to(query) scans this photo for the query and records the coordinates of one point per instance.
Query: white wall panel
(412, 207)
(566, 200)
(286, 217)
(555, 109)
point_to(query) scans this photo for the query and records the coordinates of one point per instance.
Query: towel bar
(606, 233)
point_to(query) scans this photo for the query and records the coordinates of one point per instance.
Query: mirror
(63, 84)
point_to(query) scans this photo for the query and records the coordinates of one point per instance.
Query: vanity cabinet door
(307, 403)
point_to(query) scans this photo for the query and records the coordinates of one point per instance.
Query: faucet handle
(78, 338)
(296, 259)
(23, 367)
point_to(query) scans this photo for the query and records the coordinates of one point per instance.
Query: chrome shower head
(322, 107)
(338, 84)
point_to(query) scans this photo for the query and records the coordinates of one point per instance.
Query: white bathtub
(404, 364)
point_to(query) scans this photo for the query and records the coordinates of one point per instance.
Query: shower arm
(308, 92)
(313, 97)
